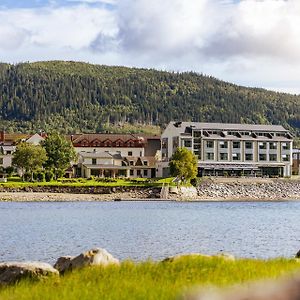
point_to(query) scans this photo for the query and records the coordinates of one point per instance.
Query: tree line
(77, 97)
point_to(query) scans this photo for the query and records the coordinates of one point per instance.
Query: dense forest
(79, 97)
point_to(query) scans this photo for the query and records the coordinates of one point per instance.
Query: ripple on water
(141, 230)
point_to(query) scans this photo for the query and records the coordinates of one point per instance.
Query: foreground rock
(94, 257)
(288, 289)
(12, 272)
(222, 255)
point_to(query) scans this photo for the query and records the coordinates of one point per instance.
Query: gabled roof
(102, 137)
(96, 154)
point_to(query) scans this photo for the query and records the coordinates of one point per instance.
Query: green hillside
(80, 97)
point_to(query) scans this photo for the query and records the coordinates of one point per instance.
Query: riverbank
(216, 189)
(150, 280)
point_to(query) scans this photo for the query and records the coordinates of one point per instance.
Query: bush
(27, 177)
(196, 181)
(10, 171)
(40, 176)
(49, 175)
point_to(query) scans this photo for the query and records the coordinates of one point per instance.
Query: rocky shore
(208, 190)
(255, 190)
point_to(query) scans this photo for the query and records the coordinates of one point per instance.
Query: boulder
(94, 257)
(12, 272)
(63, 263)
(225, 256)
(298, 254)
(179, 256)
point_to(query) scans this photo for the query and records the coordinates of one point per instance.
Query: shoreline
(209, 190)
(123, 197)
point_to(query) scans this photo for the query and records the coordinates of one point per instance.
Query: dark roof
(229, 126)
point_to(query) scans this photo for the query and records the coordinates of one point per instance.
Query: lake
(141, 230)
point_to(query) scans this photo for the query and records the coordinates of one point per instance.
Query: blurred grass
(149, 280)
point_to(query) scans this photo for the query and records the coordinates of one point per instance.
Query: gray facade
(232, 149)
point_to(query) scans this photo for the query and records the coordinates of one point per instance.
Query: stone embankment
(270, 190)
(69, 193)
(222, 189)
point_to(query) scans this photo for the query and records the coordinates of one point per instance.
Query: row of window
(248, 145)
(139, 173)
(131, 162)
(239, 133)
(248, 157)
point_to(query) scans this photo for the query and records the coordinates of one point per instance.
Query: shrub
(49, 175)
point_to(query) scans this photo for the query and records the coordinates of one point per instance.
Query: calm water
(141, 230)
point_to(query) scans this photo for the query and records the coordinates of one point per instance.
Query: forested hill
(73, 97)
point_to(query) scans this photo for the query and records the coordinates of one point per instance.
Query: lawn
(16, 182)
(149, 280)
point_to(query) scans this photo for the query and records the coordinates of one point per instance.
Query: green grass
(149, 280)
(16, 182)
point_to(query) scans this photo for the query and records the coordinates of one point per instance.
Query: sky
(248, 42)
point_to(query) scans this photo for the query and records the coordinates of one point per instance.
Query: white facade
(231, 148)
(123, 151)
(6, 155)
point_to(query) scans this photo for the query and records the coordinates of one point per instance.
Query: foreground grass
(149, 280)
(81, 182)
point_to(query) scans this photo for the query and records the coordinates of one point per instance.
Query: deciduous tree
(183, 164)
(60, 153)
(29, 158)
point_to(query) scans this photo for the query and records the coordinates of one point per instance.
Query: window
(131, 163)
(145, 162)
(8, 152)
(94, 161)
(262, 157)
(249, 145)
(273, 157)
(187, 143)
(262, 146)
(129, 153)
(1, 161)
(197, 133)
(131, 173)
(249, 156)
(146, 173)
(223, 145)
(273, 146)
(236, 145)
(138, 173)
(210, 156)
(223, 156)
(236, 156)
(209, 144)
(286, 146)
(285, 157)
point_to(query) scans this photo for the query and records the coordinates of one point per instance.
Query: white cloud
(253, 42)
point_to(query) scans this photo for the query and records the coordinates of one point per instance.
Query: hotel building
(230, 149)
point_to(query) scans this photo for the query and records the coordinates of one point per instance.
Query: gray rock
(225, 256)
(12, 272)
(179, 256)
(63, 263)
(94, 257)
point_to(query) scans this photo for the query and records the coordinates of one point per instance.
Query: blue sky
(249, 42)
